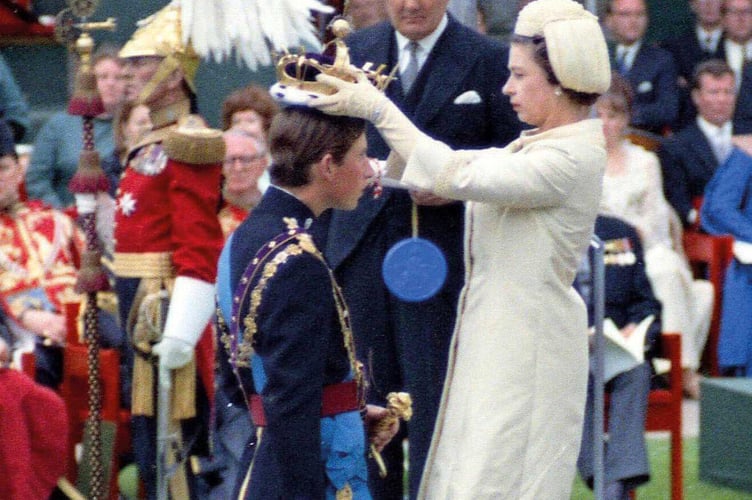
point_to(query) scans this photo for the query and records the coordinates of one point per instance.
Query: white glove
(742, 251)
(363, 100)
(191, 308)
(85, 203)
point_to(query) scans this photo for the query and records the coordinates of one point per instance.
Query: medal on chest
(150, 160)
(414, 269)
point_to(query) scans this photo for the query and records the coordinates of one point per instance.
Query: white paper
(623, 353)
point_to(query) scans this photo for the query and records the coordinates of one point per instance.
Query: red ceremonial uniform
(40, 251)
(168, 208)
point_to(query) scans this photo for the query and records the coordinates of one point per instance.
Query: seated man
(40, 250)
(628, 301)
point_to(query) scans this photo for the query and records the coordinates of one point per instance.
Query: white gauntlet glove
(363, 100)
(191, 308)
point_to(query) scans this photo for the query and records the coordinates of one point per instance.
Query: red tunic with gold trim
(230, 217)
(168, 208)
(40, 251)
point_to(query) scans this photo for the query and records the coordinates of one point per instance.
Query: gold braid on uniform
(304, 244)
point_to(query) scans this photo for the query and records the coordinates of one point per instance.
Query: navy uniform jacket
(628, 295)
(405, 346)
(688, 163)
(653, 79)
(301, 343)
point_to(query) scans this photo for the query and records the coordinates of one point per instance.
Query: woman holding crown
(512, 408)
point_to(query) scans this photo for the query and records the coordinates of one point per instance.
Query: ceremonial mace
(87, 182)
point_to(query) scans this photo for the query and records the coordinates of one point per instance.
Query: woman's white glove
(743, 251)
(363, 100)
(191, 308)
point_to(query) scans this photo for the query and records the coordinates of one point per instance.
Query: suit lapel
(443, 72)
(703, 150)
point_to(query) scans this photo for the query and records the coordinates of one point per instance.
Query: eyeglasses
(244, 160)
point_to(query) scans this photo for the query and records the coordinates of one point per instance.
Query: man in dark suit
(737, 51)
(628, 301)
(690, 157)
(699, 43)
(456, 98)
(650, 70)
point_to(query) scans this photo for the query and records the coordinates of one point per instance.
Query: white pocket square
(645, 86)
(469, 97)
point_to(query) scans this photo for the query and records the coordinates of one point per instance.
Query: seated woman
(632, 191)
(58, 144)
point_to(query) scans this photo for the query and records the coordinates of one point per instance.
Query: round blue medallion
(414, 269)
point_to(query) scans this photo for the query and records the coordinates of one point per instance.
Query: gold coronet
(299, 70)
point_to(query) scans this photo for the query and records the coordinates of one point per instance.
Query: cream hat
(574, 41)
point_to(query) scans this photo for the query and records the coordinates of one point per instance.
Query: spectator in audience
(690, 157)
(250, 108)
(13, 106)
(632, 191)
(727, 209)
(39, 256)
(245, 162)
(737, 30)
(650, 70)
(737, 22)
(702, 41)
(131, 123)
(59, 142)
(628, 301)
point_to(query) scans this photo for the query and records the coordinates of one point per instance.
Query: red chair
(709, 256)
(665, 410)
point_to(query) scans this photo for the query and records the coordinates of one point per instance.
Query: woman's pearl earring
(557, 91)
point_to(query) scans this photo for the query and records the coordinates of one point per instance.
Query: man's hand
(379, 427)
(46, 324)
(428, 199)
(628, 329)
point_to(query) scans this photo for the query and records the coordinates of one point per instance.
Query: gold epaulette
(193, 142)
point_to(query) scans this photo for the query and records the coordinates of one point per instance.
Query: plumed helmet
(161, 35)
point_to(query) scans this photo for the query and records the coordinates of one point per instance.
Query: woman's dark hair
(299, 137)
(619, 95)
(540, 55)
(250, 98)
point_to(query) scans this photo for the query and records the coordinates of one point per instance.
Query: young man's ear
(327, 167)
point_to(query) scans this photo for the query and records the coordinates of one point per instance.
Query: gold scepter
(400, 406)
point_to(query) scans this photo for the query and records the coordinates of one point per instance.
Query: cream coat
(511, 415)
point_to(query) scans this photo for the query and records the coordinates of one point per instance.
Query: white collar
(714, 36)
(426, 44)
(713, 131)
